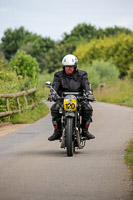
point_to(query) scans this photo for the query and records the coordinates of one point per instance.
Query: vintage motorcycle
(70, 109)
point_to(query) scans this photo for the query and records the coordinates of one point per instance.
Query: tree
(12, 40)
(118, 48)
(38, 47)
(1, 51)
(86, 32)
(80, 32)
(52, 60)
(115, 31)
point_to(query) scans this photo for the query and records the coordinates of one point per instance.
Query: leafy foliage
(93, 77)
(3, 63)
(38, 47)
(80, 32)
(25, 65)
(1, 51)
(12, 40)
(116, 30)
(107, 71)
(101, 71)
(52, 59)
(8, 78)
(87, 32)
(33, 44)
(130, 72)
(118, 48)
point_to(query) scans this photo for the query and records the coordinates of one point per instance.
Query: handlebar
(81, 98)
(55, 97)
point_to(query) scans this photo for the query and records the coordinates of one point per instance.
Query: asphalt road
(32, 168)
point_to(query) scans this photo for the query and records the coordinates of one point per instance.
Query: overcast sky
(51, 18)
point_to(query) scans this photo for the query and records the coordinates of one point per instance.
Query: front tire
(69, 136)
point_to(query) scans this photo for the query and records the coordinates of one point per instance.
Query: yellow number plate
(70, 104)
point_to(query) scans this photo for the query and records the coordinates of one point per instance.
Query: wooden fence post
(17, 95)
(26, 102)
(18, 103)
(7, 103)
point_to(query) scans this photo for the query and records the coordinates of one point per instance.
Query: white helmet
(70, 60)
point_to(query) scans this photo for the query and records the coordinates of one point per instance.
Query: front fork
(63, 145)
(76, 133)
(80, 141)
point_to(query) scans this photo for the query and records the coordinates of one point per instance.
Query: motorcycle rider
(70, 79)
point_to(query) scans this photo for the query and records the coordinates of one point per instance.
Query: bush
(3, 63)
(93, 76)
(106, 71)
(101, 71)
(130, 72)
(25, 65)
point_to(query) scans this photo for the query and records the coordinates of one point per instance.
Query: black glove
(53, 92)
(88, 93)
(51, 97)
(89, 96)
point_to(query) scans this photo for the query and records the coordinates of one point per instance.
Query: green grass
(120, 92)
(129, 157)
(30, 115)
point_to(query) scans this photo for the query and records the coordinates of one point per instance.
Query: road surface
(32, 168)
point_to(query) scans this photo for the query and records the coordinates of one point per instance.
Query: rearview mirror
(48, 84)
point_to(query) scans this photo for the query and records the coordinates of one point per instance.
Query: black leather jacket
(76, 82)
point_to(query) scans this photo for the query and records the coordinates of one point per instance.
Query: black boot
(85, 132)
(56, 135)
(57, 132)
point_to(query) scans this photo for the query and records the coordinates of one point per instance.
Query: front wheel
(69, 136)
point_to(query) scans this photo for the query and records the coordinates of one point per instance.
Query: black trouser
(86, 113)
(56, 116)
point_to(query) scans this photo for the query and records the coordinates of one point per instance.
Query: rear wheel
(69, 136)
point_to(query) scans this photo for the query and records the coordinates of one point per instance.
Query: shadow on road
(46, 153)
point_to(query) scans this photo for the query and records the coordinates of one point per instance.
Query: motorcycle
(70, 109)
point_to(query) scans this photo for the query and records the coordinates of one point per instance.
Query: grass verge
(129, 157)
(120, 92)
(30, 115)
